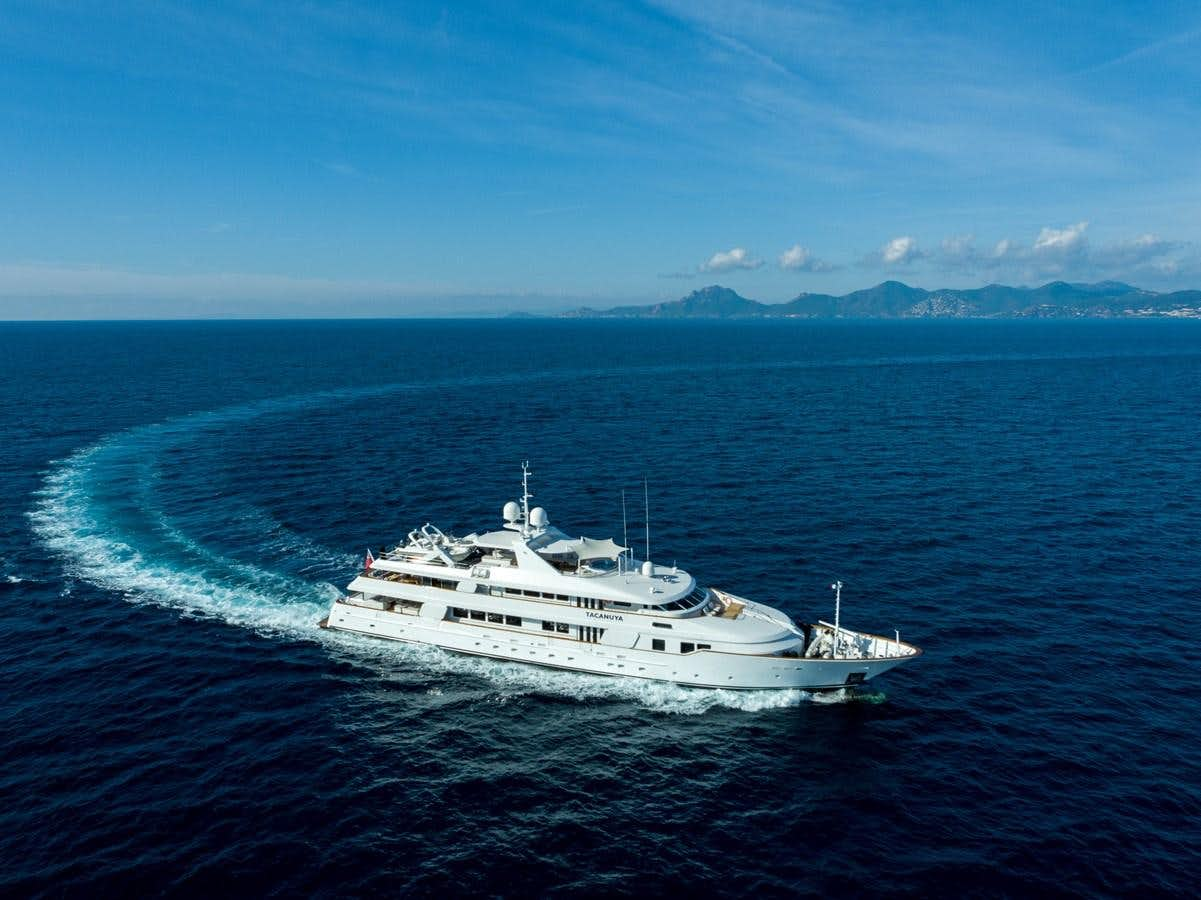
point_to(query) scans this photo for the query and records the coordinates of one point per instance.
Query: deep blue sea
(181, 501)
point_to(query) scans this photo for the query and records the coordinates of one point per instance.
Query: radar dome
(648, 568)
(512, 511)
(538, 517)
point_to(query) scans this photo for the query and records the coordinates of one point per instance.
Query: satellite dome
(538, 518)
(512, 512)
(648, 568)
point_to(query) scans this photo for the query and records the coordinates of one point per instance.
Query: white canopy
(584, 548)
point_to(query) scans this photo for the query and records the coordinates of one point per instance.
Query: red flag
(370, 560)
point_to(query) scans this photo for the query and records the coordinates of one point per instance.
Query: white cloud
(799, 259)
(899, 251)
(1061, 240)
(1066, 253)
(1145, 249)
(725, 261)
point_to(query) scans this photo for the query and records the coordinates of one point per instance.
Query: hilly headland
(896, 300)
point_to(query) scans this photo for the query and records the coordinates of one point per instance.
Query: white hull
(701, 668)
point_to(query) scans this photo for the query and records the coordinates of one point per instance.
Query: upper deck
(545, 561)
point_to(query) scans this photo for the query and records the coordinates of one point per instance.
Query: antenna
(646, 500)
(836, 587)
(525, 498)
(625, 528)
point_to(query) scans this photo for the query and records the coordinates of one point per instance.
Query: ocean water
(181, 501)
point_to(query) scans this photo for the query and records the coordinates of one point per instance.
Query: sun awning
(584, 548)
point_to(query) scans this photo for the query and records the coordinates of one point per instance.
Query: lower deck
(699, 667)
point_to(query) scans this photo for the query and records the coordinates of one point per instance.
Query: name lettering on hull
(612, 617)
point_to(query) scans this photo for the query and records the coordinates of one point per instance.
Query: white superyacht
(528, 592)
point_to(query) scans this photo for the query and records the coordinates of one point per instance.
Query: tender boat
(528, 592)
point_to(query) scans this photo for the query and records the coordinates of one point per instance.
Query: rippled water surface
(181, 502)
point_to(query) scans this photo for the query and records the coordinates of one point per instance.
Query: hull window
(658, 644)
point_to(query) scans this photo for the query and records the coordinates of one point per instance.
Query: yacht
(529, 592)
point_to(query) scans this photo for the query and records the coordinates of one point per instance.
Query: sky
(171, 159)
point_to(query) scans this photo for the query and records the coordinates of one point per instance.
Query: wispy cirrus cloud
(341, 168)
(35, 280)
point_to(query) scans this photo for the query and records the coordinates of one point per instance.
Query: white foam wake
(65, 519)
(71, 518)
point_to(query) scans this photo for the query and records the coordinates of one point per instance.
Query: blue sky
(366, 159)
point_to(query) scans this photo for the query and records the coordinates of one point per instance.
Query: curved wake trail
(71, 519)
(96, 512)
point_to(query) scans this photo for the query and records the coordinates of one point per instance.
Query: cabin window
(496, 591)
(477, 614)
(497, 618)
(548, 626)
(704, 647)
(686, 647)
(658, 644)
(619, 604)
(562, 628)
(660, 624)
(459, 612)
(513, 620)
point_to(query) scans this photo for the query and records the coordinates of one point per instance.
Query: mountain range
(894, 300)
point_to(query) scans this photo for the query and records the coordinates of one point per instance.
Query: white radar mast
(836, 587)
(525, 498)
